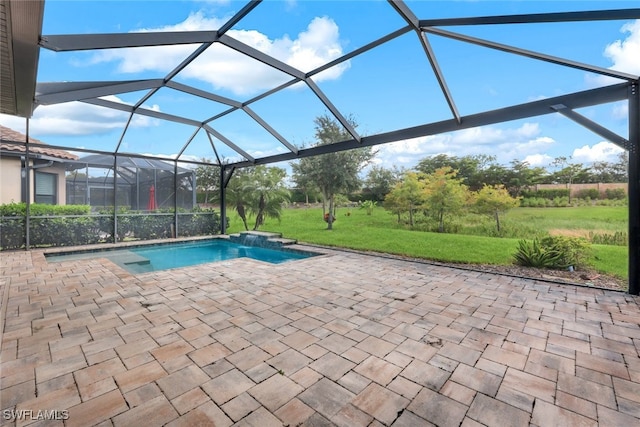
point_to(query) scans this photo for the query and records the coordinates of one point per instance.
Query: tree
(207, 178)
(236, 193)
(268, 193)
(493, 201)
(259, 191)
(471, 170)
(332, 173)
(620, 169)
(521, 176)
(380, 182)
(446, 194)
(407, 196)
(568, 171)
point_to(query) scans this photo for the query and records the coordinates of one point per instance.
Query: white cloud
(225, 68)
(602, 151)
(77, 118)
(538, 159)
(624, 54)
(505, 143)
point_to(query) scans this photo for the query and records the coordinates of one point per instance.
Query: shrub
(615, 193)
(73, 225)
(50, 225)
(588, 193)
(554, 252)
(200, 222)
(532, 254)
(561, 202)
(546, 194)
(574, 251)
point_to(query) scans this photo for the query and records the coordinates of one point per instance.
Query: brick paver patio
(343, 339)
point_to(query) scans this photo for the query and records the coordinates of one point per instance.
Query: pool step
(261, 238)
(282, 241)
(129, 258)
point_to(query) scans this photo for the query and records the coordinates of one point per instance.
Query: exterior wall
(577, 187)
(11, 181)
(10, 188)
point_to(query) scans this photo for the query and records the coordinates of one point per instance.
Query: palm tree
(259, 191)
(270, 192)
(236, 195)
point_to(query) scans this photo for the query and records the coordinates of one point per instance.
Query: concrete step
(283, 241)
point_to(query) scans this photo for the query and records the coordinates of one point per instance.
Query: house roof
(20, 28)
(14, 141)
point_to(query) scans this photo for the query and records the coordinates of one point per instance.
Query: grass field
(381, 232)
(578, 221)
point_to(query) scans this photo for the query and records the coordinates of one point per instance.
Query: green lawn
(588, 218)
(380, 232)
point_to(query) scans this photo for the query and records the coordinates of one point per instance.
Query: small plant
(531, 254)
(553, 252)
(368, 205)
(574, 251)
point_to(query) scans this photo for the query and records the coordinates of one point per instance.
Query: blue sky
(388, 88)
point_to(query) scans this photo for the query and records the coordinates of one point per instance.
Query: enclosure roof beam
(361, 50)
(229, 143)
(76, 42)
(592, 126)
(238, 16)
(291, 71)
(261, 57)
(124, 132)
(576, 100)
(251, 101)
(595, 15)
(213, 146)
(337, 114)
(142, 111)
(531, 54)
(269, 129)
(227, 174)
(184, 147)
(405, 12)
(111, 153)
(59, 92)
(175, 72)
(412, 20)
(439, 75)
(202, 94)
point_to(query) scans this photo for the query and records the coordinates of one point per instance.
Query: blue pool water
(145, 259)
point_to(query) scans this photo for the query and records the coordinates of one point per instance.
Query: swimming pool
(144, 259)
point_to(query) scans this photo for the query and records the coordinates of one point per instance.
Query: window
(46, 185)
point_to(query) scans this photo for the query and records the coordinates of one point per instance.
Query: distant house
(46, 166)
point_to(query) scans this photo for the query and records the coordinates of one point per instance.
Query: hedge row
(545, 194)
(73, 225)
(591, 193)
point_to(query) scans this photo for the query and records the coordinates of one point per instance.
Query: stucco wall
(10, 181)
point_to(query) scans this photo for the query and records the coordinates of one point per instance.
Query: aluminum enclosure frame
(91, 93)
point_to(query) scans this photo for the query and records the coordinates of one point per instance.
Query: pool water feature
(144, 259)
